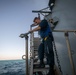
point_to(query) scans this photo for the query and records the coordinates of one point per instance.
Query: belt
(45, 38)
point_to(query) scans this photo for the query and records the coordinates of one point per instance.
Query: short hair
(35, 19)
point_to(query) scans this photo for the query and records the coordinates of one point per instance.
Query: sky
(15, 18)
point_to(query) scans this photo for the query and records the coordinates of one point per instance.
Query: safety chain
(58, 61)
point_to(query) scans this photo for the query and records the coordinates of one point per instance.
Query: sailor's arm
(35, 29)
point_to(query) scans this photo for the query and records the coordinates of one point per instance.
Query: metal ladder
(34, 43)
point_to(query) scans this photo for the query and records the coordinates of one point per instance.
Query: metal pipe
(26, 49)
(31, 50)
(64, 30)
(26, 52)
(36, 11)
(69, 52)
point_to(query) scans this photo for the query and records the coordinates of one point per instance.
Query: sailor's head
(37, 20)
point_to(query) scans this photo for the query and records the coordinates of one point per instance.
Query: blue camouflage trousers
(46, 47)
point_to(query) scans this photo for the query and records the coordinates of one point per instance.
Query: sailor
(46, 46)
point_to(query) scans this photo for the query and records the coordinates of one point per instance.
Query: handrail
(25, 35)
(64, 30)
(68, 46)
(70, 53)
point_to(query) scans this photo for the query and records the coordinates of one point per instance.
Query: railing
(68, 45)
(66, 33)
(26, 50)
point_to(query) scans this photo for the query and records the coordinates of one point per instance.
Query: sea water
(12, 67)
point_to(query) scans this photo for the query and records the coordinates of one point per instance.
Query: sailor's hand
(30, 31)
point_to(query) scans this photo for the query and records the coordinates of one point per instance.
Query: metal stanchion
(26, 50)
(69, 52)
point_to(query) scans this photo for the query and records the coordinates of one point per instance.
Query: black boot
(40, 65)
(51, 71)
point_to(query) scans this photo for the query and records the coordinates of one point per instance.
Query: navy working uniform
(46, 46)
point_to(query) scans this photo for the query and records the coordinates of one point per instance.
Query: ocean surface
(12, 67)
